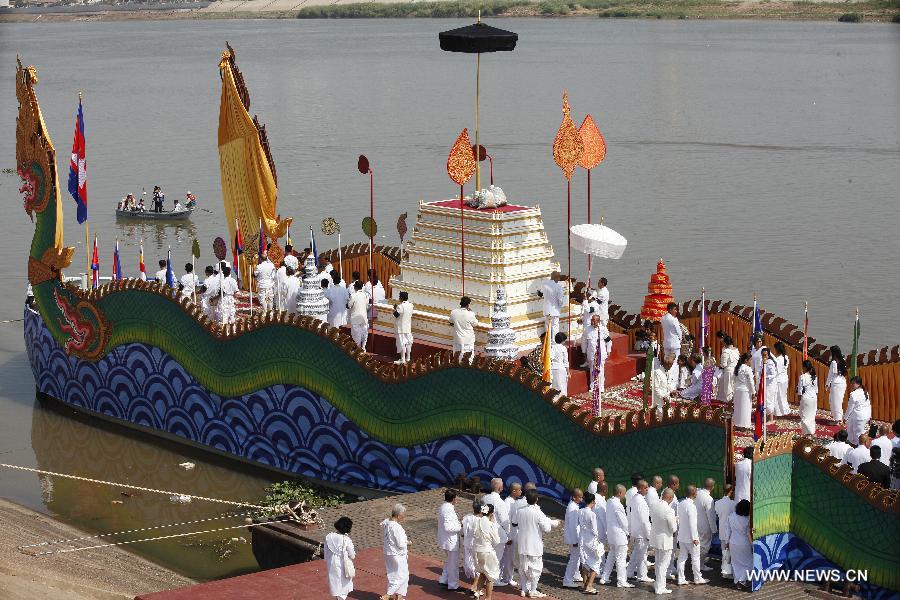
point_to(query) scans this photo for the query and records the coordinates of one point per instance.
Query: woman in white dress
(684, 373)
(770, 372)
(836, 384)
(859, 410)
(808, 391)
(727, 362)
(740, 544)
(339, 554)
(589, 544)
(781, 406)
(487, 567)
(468, 539)
(744, 391)
(396, 554)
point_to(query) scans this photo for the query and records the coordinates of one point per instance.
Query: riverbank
(799, 10)
(106, 573)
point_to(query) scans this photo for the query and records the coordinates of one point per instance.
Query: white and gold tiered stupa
(506, 247)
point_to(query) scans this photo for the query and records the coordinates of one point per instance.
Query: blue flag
(170, 275)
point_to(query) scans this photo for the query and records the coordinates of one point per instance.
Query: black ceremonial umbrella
(477, 39)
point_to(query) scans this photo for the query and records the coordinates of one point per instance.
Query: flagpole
(805, 330)
(194, 271)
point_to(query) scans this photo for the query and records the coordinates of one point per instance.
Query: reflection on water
(67, 442)
(156, 236)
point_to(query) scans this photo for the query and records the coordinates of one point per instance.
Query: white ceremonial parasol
(598, 240)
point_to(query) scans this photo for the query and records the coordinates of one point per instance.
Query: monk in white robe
(501, 519)
(396, 553)
(337, 550)
(639, 529)
(532, 525)
(448, 528)
(570, 539)
(725, 506)
(688, 537)
(617, 536)
(706, 520)
(507, 561)
(663, 524)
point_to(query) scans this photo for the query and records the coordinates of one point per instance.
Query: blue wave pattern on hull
(286, 427)
(787, 552)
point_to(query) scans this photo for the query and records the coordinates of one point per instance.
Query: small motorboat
(168, 215)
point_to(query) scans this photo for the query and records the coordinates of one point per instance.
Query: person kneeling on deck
(463, 321)
(396, 554)
(559, 364)
(229, 287)
(359, 315)
(265, 283)
(403, 313)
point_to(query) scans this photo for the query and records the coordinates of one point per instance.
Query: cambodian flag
(117, 265)
(170, 275)
(141, 264)
(78, 168)
(757, 318)
(237, 250)
(95, 266)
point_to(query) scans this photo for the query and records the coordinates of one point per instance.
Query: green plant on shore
(293, 492)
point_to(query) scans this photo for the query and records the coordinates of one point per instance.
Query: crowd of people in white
(501, 541)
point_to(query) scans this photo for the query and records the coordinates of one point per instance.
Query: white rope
(152, 539)
(103, 535)
(137, 487)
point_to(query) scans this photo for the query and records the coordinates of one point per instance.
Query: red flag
(95, 266)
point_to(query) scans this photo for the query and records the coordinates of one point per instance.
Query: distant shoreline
(869, 11)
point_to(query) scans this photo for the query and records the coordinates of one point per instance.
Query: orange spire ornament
(659, 294)
(594, 153)
(461, 166)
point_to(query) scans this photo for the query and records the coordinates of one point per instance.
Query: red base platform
(310, 580)
(620, 366)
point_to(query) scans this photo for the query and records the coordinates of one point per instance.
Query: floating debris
(180, 499)
(187, 466)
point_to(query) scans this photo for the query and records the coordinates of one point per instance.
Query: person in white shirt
(358, 305)
(463, 321)
(265, 283)
(227, 289)
(603, 301)
(507, 562)
(589, 308)
(291, 291)
(468, 539)
(883, 442)
(663, 525)
(744, 391)
(487, 567)
(742, 474)
(209, 293)
(692, 391)
(325, 270)
(780, 406)
(373, 288)
(501, 519)
(396, 553)
(600, 511)
(290, 260)
(518, 504)
(532, 525)
(839, 447)
(724, 507)
(337, 549)
(570, 539)
(671, 331)
(756, 344)
(836, 384)
(639, 529)
(770, 373)
(597, 477)
(659, 384)
(161, 274)
(554, 295)
(338, 296)
(727, 362)
(448, 528)
(688, 537)
(740, 543)
(589, 548)
(617, 538)
(559, 364)
(653, 491)
(706, 520)
(600, 341)
(403, 312)
(808, 391)
(860, 454)
(859, 409)
(188, 283)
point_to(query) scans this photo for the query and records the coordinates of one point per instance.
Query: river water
(753, 156)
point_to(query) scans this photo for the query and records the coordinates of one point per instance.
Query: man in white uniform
(603, 300)
(501, 518)
(403, 312)
(671, 330)
(161, 274)
(554, 295)
(639, 528)
(692, 391)
(706, 520)
(507, 566)
(291, 291)
(570, 539)
(663, 524)
(396, 553)
(688, 537)
(448, 528)
(359, 315)
(600, 512)
(559, 364)
(724, 507)
(265, 283)
(463, 321)
(597, 477)
(189, 281)
(589, 308)
(617, 537)
(518, 504)
(839, 447)
(884, 442)
(338, 296)
(742, 474)
(653, 491)
(860, 454)
(209, 293)
(228, 288)
(660, 383)
(533, 524)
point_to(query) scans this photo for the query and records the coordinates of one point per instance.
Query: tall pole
(462, 233)
(569, 265)
(477, 135)
(589, 222)
(372, 252)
